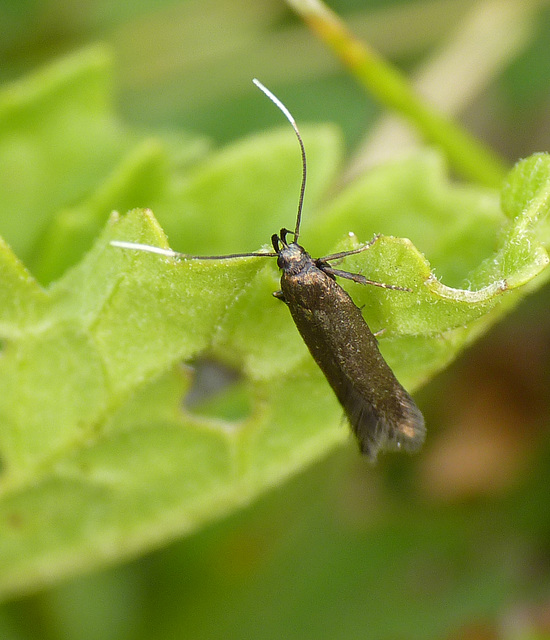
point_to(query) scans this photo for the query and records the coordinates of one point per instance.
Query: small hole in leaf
(218, 391)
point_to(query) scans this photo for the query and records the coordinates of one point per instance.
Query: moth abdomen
(381, 413)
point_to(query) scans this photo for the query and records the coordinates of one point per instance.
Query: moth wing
(373, 431)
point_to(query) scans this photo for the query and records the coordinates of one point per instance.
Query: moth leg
(357, 277)
(280, 296)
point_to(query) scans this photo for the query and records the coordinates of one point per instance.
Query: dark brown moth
(381, 413)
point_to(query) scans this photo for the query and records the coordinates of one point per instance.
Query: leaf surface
(100, 456)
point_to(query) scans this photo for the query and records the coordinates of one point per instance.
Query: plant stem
(467, 155)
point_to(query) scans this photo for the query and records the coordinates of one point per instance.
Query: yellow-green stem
(467, 155)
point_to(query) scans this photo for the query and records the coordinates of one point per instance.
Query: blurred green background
(453, 543)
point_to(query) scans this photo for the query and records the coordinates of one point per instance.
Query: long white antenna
(144, 247)
(289, 117)
(170, 253)
(176, 254)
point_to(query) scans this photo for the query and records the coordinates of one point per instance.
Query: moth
(381, 413)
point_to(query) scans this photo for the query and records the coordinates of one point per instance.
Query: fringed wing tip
(376, 433)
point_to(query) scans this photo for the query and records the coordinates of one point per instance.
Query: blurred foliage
(451, 544)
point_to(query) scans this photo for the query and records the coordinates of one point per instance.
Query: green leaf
(100, 456)
(72, 231)
(67, 161)
(58, 138)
